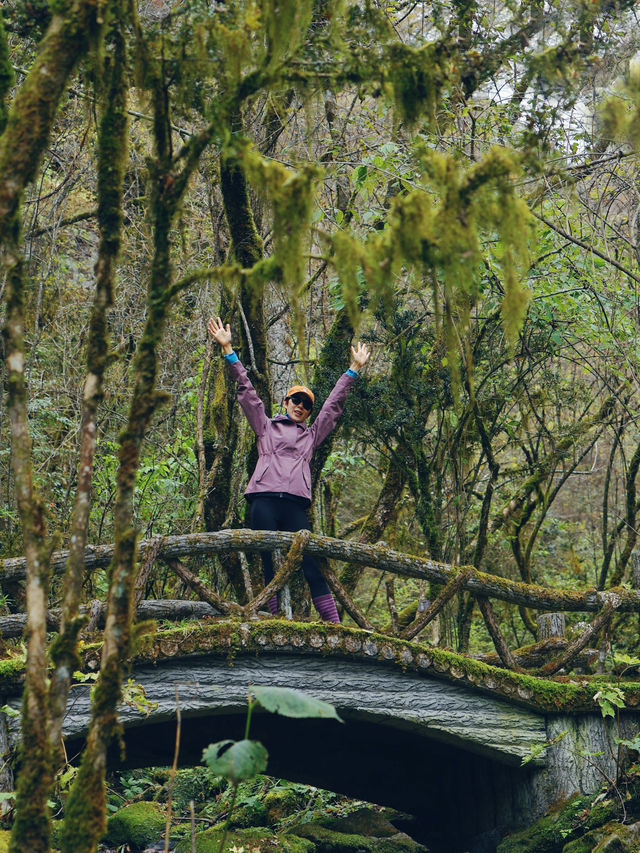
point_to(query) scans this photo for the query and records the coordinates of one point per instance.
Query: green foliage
(236, 761)
(610, 699)
(292, 703)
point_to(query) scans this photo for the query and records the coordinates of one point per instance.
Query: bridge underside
(460, 801)
(445, 754)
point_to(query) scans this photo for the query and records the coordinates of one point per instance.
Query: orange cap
(300, 389)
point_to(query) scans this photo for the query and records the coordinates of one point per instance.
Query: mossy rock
(198, 784)
(249, 814)
(551, 833)
(327, 840)
(363, 821)
(209, 841)
(4, 840)
(283, 802)
(138, 824)
(613, 837)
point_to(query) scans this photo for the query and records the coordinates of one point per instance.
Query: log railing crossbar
(484, 586)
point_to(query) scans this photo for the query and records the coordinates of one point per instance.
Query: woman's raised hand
(221, 333)
(359, 356)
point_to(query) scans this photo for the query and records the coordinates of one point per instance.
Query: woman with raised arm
(279, 491)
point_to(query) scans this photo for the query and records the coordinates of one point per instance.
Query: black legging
(276, 513)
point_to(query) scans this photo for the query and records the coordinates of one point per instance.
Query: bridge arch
(425, 731)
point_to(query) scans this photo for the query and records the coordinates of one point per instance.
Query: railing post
(551, 625)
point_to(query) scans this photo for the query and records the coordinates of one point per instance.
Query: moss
(6, 74)
(11, 672)
(363, 821)
(209, 841)
(552, 833)
(56, 834)
(249, 814)
(197, 784)
(4, 840)
(330, 841)
(138, 824)
(219, 638)
(363, 830)
(282, 802)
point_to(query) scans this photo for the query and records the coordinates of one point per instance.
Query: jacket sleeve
(329, 414)
(251, 404)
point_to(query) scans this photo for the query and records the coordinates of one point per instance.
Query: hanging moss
(438, 229)
(286, 23)
(414, 79)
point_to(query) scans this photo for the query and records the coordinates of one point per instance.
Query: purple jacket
(285, 447)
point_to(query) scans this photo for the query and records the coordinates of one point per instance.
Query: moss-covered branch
(112, 151)
(29, 123)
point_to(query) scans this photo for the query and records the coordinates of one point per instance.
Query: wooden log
(201, 589)
(540, 653)
(574, 648)
(6, 770)
(428, 615)
(391, 601)
(496, 634)
(550, 625)
(168, 609)
(380, 557)
(344, 598)
(292, 562)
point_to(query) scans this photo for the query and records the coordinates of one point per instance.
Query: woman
(279, 490)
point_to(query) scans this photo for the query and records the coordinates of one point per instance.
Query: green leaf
(292, 703)
(9, 711)
(236, 760)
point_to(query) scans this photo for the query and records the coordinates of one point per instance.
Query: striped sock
(273, 605)
(326, 607)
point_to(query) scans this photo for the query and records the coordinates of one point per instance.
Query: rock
(552, 833)
(613, 837)
(282, 802)
(364, 821)
(253, 813)
(138, 824)
(197, 784)
(363, 831)
(248, 839)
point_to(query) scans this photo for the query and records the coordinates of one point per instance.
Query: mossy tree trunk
(26, 131)
(86, 807)
(223, 432)
(112, 150)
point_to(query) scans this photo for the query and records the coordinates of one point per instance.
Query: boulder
(247, 839)
(363, 831)
(138, 824)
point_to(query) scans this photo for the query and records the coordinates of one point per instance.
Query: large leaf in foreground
(236, 760)
(292, 703)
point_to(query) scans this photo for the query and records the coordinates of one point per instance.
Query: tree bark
(379, 556)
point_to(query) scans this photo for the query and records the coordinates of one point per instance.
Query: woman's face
(296, 410)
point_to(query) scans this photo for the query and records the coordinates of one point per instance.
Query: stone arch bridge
(430, 732)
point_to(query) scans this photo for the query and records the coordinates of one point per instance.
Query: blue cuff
(231, 358)
(351, 372)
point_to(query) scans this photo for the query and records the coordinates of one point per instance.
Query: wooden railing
(484, 586)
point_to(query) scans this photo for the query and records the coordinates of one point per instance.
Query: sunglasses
(301, 399)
